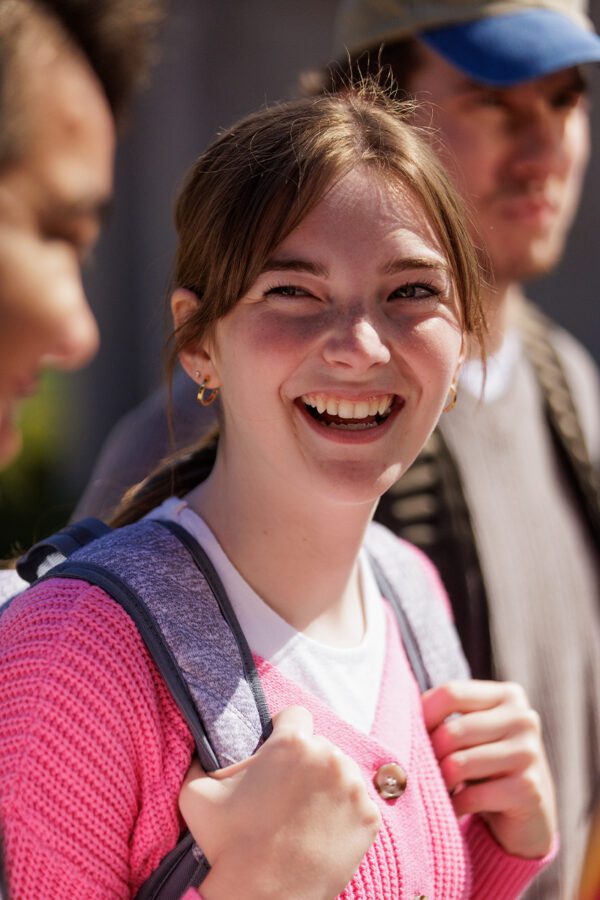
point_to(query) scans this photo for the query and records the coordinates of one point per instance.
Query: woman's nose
(357, 344)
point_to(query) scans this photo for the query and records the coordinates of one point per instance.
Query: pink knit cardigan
(93, 752)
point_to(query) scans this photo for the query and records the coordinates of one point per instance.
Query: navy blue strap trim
(409, 640)
(154, 641)
(64, 543)
(207, 569)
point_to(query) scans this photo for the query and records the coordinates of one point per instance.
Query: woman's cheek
(285, 333)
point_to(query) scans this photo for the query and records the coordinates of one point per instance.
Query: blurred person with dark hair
(67, 72)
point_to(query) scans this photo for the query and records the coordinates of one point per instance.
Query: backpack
(198, 646)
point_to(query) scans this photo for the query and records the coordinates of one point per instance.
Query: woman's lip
(347, 436)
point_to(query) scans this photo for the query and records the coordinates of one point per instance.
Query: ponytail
(176, 476)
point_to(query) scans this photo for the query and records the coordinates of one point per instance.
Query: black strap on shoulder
(428, 508)
(179, 870)
(409, 640)
(59, 546)
(535, 330)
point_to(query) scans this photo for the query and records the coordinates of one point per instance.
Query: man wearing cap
(505, 497)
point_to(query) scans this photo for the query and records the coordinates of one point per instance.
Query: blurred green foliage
(32, 489)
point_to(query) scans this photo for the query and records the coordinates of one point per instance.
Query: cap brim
(505, 50)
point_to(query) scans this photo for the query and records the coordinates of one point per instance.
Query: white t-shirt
(498, 370)
(346, 679)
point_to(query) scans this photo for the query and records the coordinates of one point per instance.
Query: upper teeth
(348, 409)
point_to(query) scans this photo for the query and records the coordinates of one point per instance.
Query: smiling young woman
(325, 287)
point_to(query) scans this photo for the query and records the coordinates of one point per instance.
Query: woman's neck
(299, 553)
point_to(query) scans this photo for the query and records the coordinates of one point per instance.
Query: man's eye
(414, 292)
(567, 99)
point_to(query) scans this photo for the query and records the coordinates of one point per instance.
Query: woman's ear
(196, 357)
(461, 359)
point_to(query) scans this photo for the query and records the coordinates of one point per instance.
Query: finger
(499, 759)
(296, 719)
(498, 795)
(468, 696)
(472, 729)
(194, 773)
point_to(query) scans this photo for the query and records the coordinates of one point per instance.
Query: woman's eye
(414, 292)
(286, 290)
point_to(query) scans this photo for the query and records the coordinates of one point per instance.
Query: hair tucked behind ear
(256, 183)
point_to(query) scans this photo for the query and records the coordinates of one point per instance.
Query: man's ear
(196, 357)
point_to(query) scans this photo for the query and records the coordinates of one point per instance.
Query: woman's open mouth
(350, 415)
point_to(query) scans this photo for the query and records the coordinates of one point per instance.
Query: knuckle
(451, 689)
(296, 745)
(373, 820)
(534, 721)
(532, 785)
(516, 694)
(454, 766)
(445, 737)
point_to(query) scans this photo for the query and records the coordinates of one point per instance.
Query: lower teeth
(353, 426)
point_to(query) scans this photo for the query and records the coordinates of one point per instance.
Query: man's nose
(540, 144)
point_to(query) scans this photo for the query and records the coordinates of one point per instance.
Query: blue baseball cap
(504, 50)
(496, 42)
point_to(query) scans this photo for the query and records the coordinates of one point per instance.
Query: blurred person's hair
(257, 182)
(391, 64)
(117, 37)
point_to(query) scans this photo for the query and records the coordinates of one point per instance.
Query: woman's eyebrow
(404, 263)
(282, 264)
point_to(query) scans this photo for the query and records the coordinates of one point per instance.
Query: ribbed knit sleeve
(93, 749)
(495, 873)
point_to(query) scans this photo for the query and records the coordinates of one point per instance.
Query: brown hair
(257, 182)
(116, 37)
(390, 64)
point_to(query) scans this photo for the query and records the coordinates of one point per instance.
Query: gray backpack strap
(536, 333)
(170, 589)
(429, 637)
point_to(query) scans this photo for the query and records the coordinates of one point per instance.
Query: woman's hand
(293, 821)
(493, 761)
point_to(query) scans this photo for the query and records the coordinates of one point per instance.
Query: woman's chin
(353, 483)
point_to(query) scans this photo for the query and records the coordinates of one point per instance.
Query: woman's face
(336, 364)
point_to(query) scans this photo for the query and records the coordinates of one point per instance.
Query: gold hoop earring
(206, 395)
(453, 392)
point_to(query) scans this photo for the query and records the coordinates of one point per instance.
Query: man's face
(517, 154)
(51, 201)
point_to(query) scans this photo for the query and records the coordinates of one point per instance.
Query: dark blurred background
(219, 59)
